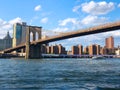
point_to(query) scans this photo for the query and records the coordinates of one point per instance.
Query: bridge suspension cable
(47, 33)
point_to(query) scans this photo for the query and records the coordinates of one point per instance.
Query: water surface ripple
(60, 74)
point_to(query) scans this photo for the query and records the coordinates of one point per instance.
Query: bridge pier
(35, 51)
(27, 49)
(32, 51)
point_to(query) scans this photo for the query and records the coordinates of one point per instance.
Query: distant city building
(86, 50)
(77, 49)
(98, 49)
(61, 49)
(19, 33)
(80, 47)
(109, 42)
(117, 52)
(6, 42)
(56, 49)
(44, 37)
(94, 49)
(48, 50)
(69, 52)
(103, 51)
(44, 49)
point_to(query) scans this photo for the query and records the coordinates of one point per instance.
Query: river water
(60, 74)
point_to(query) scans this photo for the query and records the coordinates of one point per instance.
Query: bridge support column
(32, 51)
(27, 49)
(35, 51)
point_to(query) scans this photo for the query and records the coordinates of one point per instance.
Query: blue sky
(62, 16)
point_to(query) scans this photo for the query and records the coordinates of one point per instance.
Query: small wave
(107, 88)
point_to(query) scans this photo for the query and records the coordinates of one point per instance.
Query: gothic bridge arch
(34, 33)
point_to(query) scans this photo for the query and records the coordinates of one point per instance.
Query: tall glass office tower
(19, 32)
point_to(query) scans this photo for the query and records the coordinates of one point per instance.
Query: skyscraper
(19, 33)
(109, 42)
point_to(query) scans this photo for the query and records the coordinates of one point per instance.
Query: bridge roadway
(92, 30)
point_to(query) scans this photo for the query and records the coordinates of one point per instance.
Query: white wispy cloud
(33, 19)
(38, 8)
(59, 30)
(8, 26)
(44, 20)
(15, 20)
(55, 31)
(112, 33)
(119, 5)
(98, 8)
(68, 20)
(93, 20)
(76, 8)
(90, 20)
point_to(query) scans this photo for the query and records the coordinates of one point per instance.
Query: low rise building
(56, 49)
(6, 42)
(78, 49)
(94, 49)
(117, 51)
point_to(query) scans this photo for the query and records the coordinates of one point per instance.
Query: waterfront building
(19, 33)
(61, 49)
(75, 50)
(1, 44)
(94, 49)
(44, 36)
(86, 50)
(80, 47)
(56, 49)
(98, 49)
(44, 49)
(109, 42)
(69, 52)
(103, 51)
(48, 49)
(117, 52)
(6, 42)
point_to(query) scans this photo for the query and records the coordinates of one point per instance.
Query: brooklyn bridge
(33, 49)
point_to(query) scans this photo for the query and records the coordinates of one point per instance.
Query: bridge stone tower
(33, 51)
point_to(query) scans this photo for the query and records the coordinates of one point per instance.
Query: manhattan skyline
(61, 16)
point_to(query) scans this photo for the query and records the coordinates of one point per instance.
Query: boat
(98, 57)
